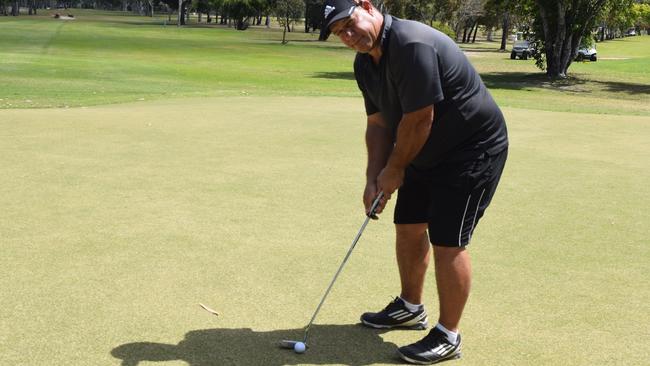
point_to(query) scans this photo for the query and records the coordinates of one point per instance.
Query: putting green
(118, 220)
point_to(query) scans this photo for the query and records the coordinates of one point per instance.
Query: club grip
(374, 206)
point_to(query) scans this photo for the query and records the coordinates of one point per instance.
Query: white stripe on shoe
(403, 316)
(397, 313)
(442, 349)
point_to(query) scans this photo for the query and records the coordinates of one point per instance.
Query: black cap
(334, 10)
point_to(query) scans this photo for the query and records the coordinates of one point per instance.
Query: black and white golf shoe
(396, 315)
(433, 348)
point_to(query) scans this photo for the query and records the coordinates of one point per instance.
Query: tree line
(557, 27)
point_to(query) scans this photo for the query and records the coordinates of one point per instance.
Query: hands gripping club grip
(374, 206)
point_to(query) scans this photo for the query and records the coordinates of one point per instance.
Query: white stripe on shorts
(476, 213)
(462, 221)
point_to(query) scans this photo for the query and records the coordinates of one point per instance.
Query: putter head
(287, 344)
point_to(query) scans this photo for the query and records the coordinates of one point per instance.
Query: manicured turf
(106, 57)
(119, 219)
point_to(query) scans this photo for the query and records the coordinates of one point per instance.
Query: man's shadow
(352, 345)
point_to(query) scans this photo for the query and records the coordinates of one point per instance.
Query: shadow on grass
(306, 40)
(343, 75)
(352, 345)
(619, 87)
(485, 50)
(522, 80)
(311, 43)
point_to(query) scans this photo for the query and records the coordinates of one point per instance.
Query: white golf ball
(299, 347)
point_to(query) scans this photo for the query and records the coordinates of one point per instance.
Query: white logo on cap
(328, 10)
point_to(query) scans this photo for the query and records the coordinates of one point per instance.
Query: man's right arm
(379, 143)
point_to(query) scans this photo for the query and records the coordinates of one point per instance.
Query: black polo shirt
(421, 66)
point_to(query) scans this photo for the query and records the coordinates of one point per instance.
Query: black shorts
(450, 198)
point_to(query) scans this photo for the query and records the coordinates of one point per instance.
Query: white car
(586, 53)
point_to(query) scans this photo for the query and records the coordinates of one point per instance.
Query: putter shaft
(370, 215)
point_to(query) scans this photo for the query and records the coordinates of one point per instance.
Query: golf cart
(522, 49)
(586, 53)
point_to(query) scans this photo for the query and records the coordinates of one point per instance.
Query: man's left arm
(412, 133)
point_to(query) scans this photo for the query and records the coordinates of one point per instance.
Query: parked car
(630, 32)
(522, 49)
(587, 53)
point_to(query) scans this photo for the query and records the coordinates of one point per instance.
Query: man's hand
(389, 180)
(369, 195)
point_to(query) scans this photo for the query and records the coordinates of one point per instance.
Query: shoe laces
(432, 340)
(393, 304)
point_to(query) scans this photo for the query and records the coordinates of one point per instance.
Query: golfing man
(435, 135)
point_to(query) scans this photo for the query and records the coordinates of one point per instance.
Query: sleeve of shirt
(371, 108)
(416, 76)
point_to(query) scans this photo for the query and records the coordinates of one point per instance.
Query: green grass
(619, 83)
(237, 184)
(118, 220)
(107, 57)
(100, 60)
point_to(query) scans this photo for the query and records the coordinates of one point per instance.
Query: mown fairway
(102, 58)
(117, 220)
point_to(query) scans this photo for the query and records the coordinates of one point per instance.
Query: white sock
(451, 336)
(412, 307)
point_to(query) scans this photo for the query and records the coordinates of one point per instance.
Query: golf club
(300, 347)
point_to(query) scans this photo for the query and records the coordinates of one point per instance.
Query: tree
(241, 11)
(498, 14)
(508, 14)
(616, 17)
(559, 29)
(396, 7)
(3, 7)
(313, 14)
(643, 20)
(202, 7)
(288, 12)
(469, 13)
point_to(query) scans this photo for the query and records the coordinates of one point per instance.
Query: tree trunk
(284, 35)
(180, 13)
(457, 31)
(563, 25)
(601, 34)
(505, 30)
(475, 30)
(15, 8)
(555, 37)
